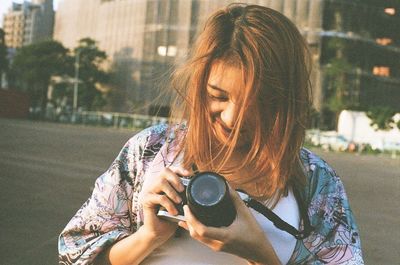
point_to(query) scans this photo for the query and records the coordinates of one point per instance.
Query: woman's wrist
(149, 238)
(132, 249)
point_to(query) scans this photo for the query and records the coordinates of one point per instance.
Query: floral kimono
(113, 212)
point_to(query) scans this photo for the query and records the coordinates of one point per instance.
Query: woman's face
(224, 88)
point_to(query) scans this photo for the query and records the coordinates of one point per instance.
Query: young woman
(243, 101)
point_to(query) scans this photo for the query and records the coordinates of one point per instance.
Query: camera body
(163, 213)
(207, 195)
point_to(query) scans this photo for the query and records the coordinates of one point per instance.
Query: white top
(185, 250)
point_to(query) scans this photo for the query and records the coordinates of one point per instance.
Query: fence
(106, 119)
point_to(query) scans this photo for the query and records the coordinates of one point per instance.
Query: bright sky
(6, 4)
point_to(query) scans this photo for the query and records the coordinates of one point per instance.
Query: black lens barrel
(209, 199)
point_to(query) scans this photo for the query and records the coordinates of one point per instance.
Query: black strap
(195, 168)
(303, 213)
(276, 220)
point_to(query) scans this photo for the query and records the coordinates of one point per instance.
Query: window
(384, 41)
(390, 11)
(381, 71)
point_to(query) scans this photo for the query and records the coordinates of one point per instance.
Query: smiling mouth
(223, 127)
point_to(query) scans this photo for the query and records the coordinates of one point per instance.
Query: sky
(6, 4)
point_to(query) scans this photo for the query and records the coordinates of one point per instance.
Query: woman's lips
(223, 128)
(224, 134)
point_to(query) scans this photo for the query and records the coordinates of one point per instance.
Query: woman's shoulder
(312, 162)
(153, 133)
(154, 136)
(334, 238)
(321, 177)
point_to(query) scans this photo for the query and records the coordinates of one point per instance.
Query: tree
(90, 60)
(382, 117)
(3, 55)
(337, 95)
(34, 65)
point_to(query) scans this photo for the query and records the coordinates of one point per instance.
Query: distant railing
(107, 119)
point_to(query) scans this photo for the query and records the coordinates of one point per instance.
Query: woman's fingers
(237, 201)
(180, 171)
(240, 206)
(205, 235)
(200, 231)
(173, 178)
(166, 188)
(167, 182)
(153, 201)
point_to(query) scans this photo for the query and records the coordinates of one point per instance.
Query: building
(141, 37)
(362, 37)
(28, 22)
(14, 24)
(144, 38)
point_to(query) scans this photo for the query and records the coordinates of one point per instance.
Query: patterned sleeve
(106, 216)
(335, 238)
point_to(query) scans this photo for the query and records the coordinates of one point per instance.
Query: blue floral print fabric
(113, 212)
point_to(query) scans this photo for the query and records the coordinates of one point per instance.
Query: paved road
(47, 171)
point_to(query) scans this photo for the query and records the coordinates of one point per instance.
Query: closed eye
(216, 93)
(218, 98)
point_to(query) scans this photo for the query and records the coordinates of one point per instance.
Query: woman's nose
(229, 115)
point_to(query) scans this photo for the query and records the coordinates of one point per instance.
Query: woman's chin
(241, 145)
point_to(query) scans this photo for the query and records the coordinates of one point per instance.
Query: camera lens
(208, 198)
(208, 190)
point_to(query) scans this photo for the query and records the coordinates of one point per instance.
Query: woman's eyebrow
(216, 88)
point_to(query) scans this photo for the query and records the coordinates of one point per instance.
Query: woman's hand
(244, 237)
(161, 190)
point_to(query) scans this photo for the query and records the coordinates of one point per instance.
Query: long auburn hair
(275, 64)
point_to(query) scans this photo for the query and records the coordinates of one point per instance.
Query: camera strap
(274, 218)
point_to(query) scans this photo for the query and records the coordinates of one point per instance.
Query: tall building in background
(145, 38)
(40, 21)
(362, 38)
(14, 24)
(28, 22)
(142, 38)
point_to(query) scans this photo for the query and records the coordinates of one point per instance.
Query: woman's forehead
(226, 77)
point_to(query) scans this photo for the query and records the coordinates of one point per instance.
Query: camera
(207, 195)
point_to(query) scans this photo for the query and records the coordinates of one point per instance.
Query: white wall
(356, 126)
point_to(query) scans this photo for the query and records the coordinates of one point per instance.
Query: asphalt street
(47, 171)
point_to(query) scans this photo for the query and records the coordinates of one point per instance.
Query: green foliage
(3, 54)
(336, 95)
(337, 73)
(336, 44)
(91, 74)
(381, 117)
(338, 85)
(34, 65)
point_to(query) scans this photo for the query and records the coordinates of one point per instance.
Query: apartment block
(28, 22)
